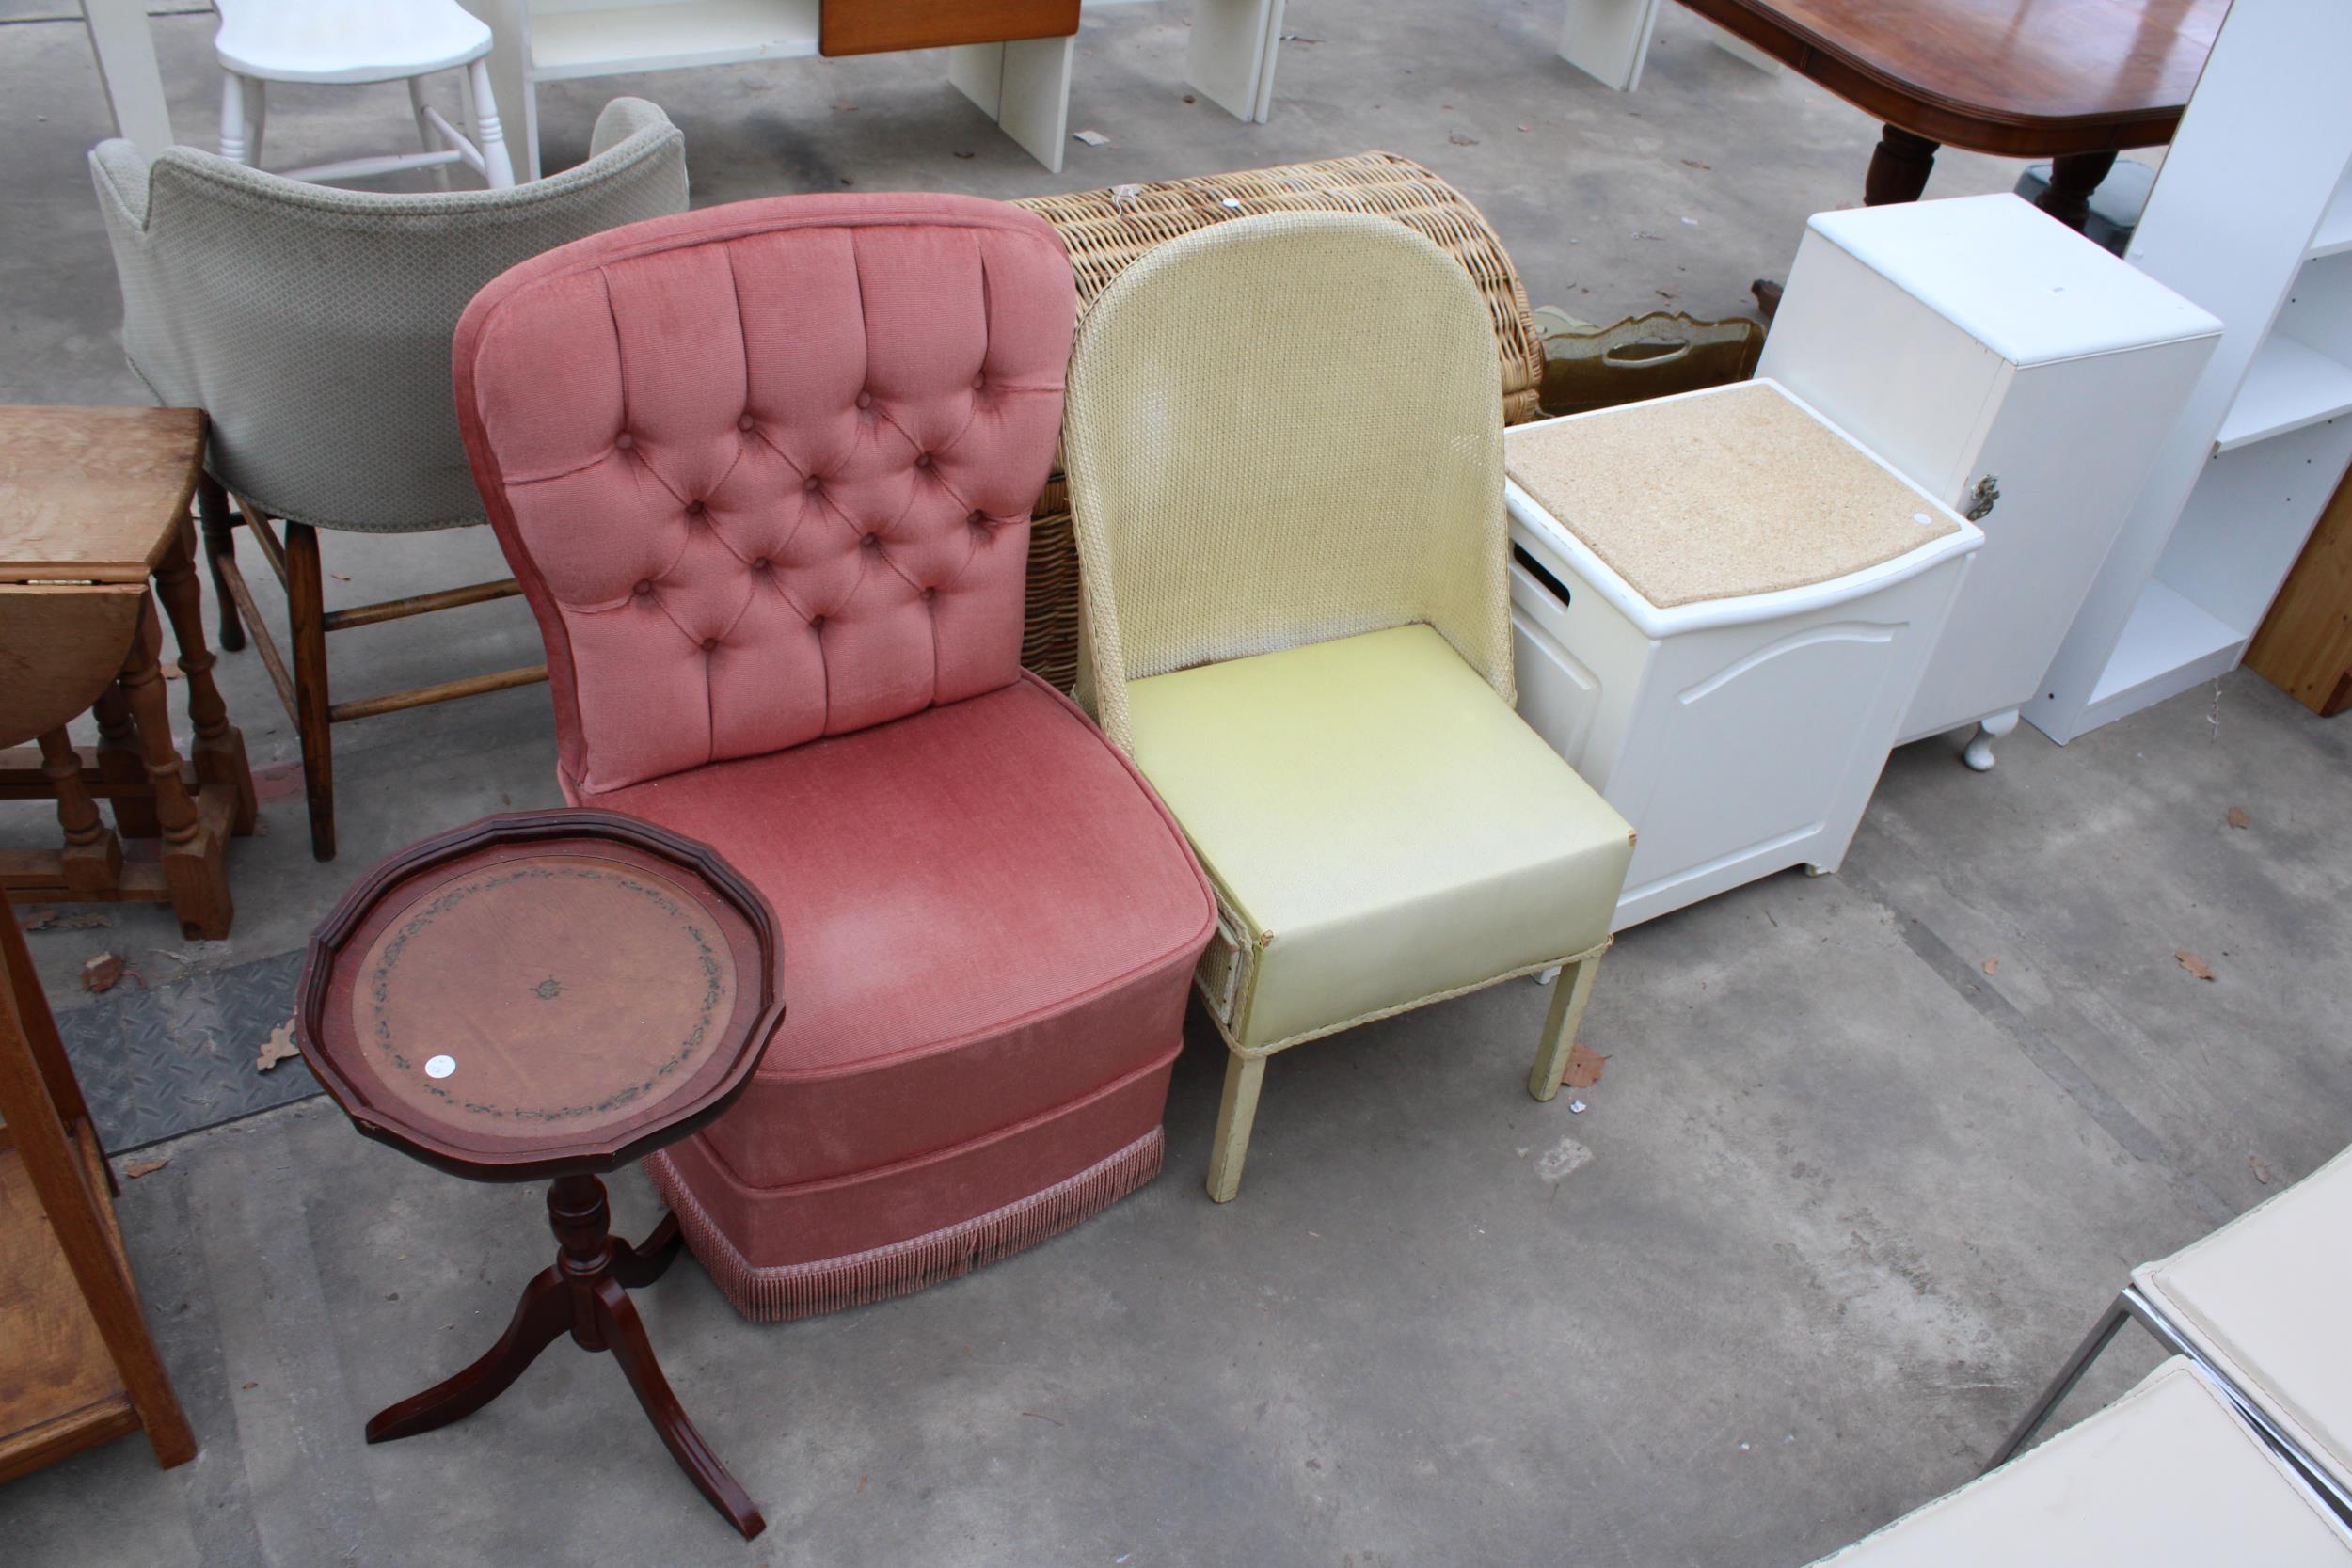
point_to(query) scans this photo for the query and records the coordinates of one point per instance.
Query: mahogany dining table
(2075, 80)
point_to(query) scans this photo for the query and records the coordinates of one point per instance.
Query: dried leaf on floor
(2238, 818)
(967, 154)
(2194, 964)
(1527, 127)
(137, 1168)
(2262, 1171)
(279, 1047)
(1093, 139)
(103, 971)
(1693, 162)
(1584, 1067)
(1190, 98)
(252, 1385)
(340, 576)
(57, 920)
(1460, 140)
(845, 107)
(1992, 966)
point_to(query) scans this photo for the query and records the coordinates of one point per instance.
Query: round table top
(541, 993)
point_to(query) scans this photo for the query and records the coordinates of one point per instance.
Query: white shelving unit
(1024, 84)
(2251, 219)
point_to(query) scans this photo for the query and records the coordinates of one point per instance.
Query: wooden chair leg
(305, 613)
(1568, 995)
(1235, 1115)
(220, 539)
(218, 748)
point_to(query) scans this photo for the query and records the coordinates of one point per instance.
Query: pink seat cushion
(985, 915)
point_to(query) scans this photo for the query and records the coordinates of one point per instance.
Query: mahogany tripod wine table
(548, 995)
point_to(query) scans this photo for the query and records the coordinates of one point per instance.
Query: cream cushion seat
(2263, 1299)
(1380, 822)
(2167, 1477)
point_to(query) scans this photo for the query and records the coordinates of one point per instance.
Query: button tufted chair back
(765, 470)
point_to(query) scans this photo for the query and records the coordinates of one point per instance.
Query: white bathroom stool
(1721, 606)
(352, 42)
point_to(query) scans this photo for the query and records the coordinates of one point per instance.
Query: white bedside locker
(1977, 343)
(1720, 607)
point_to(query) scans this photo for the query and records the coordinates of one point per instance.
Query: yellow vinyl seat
(1323, 788)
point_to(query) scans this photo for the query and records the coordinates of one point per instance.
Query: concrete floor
(1851, 1197)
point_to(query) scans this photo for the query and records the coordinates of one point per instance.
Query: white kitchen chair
(354, 42)
(2259, 1305)
(2165, 1477)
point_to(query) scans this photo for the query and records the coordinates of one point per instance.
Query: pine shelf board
(58, 1388)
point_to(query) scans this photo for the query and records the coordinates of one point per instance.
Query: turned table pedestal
(548, 995)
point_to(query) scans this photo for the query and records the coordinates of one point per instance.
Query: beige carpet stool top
(2167, 1477)
(1742, 491)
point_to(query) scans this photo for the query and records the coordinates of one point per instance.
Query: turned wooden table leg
(2073, 179)
(92, 861)
(1899, 168)
(193, 867)
(218, 747)
(119, 764)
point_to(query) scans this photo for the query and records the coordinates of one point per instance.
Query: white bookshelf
(2286, 387)
(2251, 219)
(2334, 236)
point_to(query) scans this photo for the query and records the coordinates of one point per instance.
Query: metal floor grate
(157, 1063)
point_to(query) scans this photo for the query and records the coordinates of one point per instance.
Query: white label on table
(440, 1066)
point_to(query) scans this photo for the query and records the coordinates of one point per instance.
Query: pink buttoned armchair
(765, 473)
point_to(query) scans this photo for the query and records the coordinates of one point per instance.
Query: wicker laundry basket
(1108, 228)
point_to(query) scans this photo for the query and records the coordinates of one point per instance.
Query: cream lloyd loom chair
(1284, 438)
(313, 325)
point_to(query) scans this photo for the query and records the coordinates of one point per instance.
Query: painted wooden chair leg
(426, 135)
(1569, 997)
(256, 117)
(232, 116)
(1235, 1114)
(305, 613)
(498, 164)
